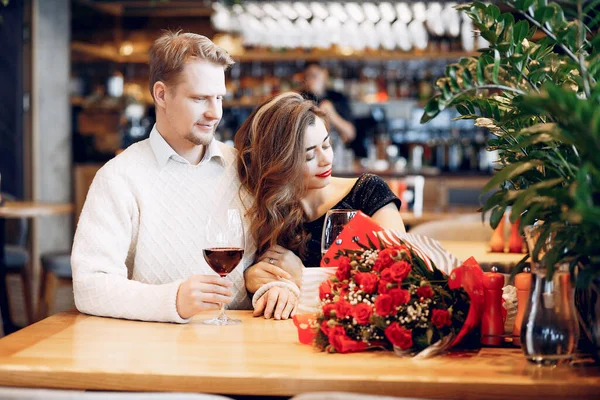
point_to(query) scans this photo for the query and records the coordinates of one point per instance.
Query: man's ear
(159, 90)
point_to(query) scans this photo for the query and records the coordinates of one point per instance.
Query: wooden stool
(56, 271)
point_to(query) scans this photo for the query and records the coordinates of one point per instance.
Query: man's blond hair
(172, 50)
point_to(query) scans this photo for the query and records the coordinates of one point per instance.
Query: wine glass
(335, 221)
(224, 249)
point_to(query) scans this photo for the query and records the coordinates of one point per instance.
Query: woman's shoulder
(343, 185)
(370, 182)
(370, 193)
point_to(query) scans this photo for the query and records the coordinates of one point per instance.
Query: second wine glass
(335, 221)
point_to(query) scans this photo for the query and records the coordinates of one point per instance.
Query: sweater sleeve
(103, 247)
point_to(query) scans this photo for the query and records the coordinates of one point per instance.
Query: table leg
(8, 326)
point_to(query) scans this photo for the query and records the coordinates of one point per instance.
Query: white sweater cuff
(172, 304)
(291, 286)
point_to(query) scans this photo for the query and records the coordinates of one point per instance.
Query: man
(334, 104)
(138, 247)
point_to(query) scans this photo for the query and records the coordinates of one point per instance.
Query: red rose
(343, 270)
(425, 292)
(325, 289)
(441, 318)
(343, 309)
(400, 270)
(327, 309)
(362, 313)
(399, 336)
(378, 265)
(384, 305)
(383, 287)
(399, 296)
(367, 281)
(386, 275)
(385, 257)
(325, 327)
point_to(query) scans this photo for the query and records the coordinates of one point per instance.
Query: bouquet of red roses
(389, 297)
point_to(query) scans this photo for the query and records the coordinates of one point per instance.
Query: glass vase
(550, 330)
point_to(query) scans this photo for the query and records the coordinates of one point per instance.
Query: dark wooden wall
(11, 98)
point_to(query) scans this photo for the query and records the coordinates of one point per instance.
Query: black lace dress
(369, 194)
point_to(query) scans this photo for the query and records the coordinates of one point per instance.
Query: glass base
(222, 321)
(549, 360)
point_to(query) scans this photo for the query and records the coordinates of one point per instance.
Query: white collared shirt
(164, 152)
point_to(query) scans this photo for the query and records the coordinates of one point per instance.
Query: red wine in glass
(223, 259)
(223, 249)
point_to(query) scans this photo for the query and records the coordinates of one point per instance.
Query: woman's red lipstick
(324, 174)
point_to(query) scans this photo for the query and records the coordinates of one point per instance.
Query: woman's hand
(262, 273)
(278, 302)
(286, 260)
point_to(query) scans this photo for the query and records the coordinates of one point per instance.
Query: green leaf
(509, 172)
(523, 5)
(496, 68)
(532, 31)
(480, 71)
(432, 109)
(520, 31)
(496, 216)
(493, 11)
(544, 14)
(519, 266)
(451, 74)
(467, 79)
(499, 198)
(592, 5)
(462, 110)
(558, 18)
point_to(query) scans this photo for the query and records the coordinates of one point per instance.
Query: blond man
(138, 247)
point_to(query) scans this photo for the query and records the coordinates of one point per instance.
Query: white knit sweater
(140, 233)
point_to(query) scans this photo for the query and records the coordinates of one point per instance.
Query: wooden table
(20, 209)
(261, 357)
(485, 258)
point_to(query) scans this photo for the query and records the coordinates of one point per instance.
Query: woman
(284, 161)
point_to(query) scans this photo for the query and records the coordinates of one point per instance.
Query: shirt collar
(164, 152)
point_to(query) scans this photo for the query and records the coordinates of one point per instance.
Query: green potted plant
(541, 102)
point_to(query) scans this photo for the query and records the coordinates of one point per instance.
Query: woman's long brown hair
(270, 165)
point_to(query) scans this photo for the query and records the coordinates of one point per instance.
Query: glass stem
(222, 315)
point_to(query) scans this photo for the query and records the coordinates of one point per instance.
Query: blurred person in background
(334, 104)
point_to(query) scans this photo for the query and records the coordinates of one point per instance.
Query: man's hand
(202, 293)
(346, 129)
(278, 303)
(327, 107)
